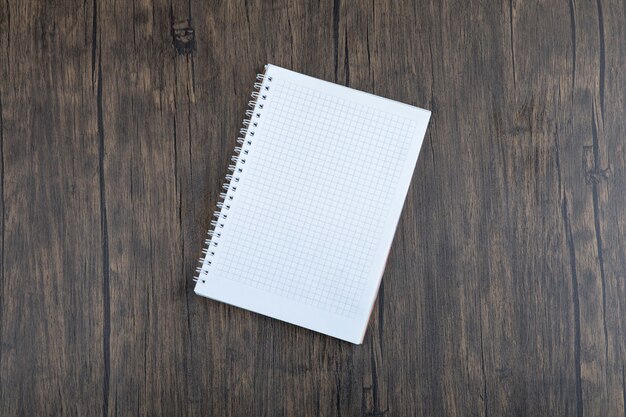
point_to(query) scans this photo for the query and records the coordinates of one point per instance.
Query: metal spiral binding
(235, 170)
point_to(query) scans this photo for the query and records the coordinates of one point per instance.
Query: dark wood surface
(505, 290)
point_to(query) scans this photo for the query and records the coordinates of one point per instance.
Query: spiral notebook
(311, 203)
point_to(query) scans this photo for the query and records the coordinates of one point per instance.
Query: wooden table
(505, 290)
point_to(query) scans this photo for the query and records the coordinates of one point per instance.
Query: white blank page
(319, 187)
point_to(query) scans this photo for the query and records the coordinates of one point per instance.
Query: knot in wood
(183, 37)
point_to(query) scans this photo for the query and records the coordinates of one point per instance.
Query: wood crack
(569, 240)
(512, 44)
(336, 36)
(375, 391)
(432, 153)
(245, 7)
(381, 310)
(8, 9)
(94, 35)
(573, 37)
(602, 56)
(598, 229)
(484, 395)
(2, 227)
(624, 389)
(290, 37)
(190, 159)
(432, 75)
(106, 297)
(338, 389)
(346, 60)
(180, 216)
(367, 45)
(576, 305)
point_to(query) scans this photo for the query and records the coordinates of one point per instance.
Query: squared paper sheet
(317, 200)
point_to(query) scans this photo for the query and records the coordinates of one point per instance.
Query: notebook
(311, 203)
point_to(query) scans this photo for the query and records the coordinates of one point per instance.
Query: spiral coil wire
(235, 170)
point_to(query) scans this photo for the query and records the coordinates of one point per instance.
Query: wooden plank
(51, 287)
(595, 227)
(145, 335)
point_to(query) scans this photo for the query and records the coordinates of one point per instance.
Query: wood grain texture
(505, 290)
